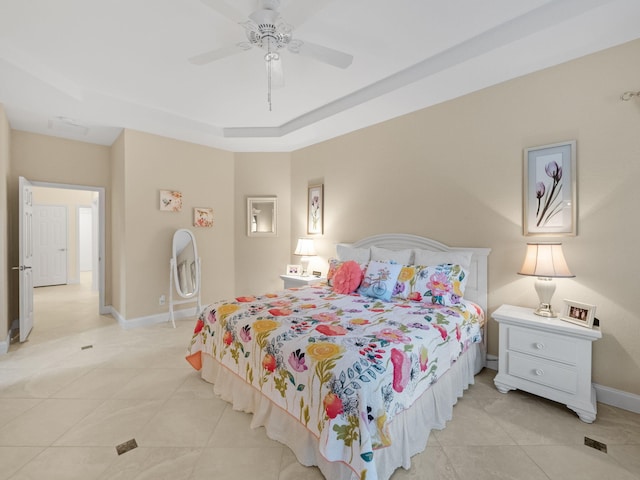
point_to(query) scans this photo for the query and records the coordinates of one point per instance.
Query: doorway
(85, 237)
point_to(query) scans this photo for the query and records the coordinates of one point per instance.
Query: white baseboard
(151, 319)
(492, 362)
(4, 344)
(617, 398)
(607, 395)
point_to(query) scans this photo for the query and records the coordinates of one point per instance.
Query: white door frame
(103, 310)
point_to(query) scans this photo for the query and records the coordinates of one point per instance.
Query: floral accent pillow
(334, 266)
(438, 284)
(348, 278)
(379, 280)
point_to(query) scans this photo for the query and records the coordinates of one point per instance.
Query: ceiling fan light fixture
(266, 30)
(268, 34)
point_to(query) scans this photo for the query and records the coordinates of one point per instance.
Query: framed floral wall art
(315, 210)
(549, 190)
(170, 201)
(202, 217)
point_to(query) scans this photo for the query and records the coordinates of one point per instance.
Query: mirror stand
(172, 301)
(184, 272)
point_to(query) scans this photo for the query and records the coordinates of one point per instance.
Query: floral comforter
(342, 365)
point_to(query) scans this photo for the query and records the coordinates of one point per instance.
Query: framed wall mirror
(262, 216)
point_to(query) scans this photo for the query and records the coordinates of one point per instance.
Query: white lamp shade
(305, 247)
(545, 260)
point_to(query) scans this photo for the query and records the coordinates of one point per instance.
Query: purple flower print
(297, 361)
(553, 170)
(552, 205)
(540, 188)
(245, 334)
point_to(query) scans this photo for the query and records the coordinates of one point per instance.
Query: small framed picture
(170, 201)
(315, 210)
(203, 217)
(579, 313)
(294, 269)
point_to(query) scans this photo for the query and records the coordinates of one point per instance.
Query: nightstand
(291, 281)
(547, 357)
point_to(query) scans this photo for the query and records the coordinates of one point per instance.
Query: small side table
(547, 357)
(291, 281)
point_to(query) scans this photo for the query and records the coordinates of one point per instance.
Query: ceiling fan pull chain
(269, 59)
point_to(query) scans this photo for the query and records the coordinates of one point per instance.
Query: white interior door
(50, 240)
(25, 256)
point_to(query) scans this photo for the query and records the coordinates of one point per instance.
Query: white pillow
(403, 257)
(428, 258)
(346, 253)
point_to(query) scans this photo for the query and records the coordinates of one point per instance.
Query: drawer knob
(539, 372)
(539, 346)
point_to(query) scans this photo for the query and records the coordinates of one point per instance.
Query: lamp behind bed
(305, 249)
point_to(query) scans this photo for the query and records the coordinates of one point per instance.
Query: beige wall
(4, 231)
(453, 172)
(261, 260)
(206, 179)
(43, 158)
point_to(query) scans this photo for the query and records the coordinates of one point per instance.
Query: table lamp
(545, 261)
(305, 249)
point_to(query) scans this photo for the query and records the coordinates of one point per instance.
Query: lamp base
(545, 310)
(304, 261)
(545, 287)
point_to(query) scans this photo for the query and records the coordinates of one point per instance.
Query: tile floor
(65, 407)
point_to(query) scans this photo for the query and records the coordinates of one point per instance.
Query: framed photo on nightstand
(294, 269)
(579, 313)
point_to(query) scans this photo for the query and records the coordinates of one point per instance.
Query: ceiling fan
(266, 29)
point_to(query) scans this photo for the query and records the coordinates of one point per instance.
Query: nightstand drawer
(553, 347)
(543, 372)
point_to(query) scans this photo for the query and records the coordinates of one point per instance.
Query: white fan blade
(323, 54)
(298, 12)
(277, 74)
(223, 8)
(213, 55)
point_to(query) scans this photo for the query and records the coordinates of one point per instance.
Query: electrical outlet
(161, 300)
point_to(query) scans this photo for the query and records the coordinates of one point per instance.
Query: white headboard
(477, 283)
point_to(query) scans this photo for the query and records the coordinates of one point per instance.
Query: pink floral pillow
(347, 277)
(438, 284)
(335, 264)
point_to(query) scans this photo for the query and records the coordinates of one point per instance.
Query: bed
(353, 374)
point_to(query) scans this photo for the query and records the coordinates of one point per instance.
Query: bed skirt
(432, 410)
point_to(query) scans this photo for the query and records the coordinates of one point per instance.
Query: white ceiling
(85, 69)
